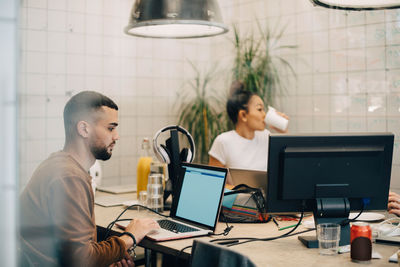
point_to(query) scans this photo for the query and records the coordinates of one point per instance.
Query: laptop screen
(201, 194)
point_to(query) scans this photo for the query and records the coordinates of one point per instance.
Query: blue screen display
(200, 195)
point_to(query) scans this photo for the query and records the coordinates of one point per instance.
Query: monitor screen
(200, 194)
(305, 168)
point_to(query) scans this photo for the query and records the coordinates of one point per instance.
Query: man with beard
(57, 206)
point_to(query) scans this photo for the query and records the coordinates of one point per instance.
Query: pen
(228, 242)
(275, 222)
(286, 227)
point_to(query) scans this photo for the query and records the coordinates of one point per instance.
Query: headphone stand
(172, 185)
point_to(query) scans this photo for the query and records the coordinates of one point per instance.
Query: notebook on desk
(118, 189)
(111, 200)
(198, 204)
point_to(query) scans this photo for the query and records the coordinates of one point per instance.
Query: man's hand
(127, 261)
(140, 227)
(394, 203)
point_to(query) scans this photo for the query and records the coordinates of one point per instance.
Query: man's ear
(83, 128)
(242, 115)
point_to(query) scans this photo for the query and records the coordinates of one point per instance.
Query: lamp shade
(175, 19)
(358, 4)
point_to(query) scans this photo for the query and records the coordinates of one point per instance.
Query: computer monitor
(330, 175)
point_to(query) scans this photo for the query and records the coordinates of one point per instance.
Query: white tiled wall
(347, 66)
(70, 46)
(8, 134)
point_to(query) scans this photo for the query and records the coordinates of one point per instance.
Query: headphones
(161, 151)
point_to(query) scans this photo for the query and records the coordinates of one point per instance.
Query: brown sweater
(57, 217)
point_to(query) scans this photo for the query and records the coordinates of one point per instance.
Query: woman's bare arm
(214, 162)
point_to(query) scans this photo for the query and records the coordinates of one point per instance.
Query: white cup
(274, 119)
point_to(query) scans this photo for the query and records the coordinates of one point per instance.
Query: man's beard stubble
(100, 153)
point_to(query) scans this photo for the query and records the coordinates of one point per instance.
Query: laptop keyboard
(175, 227)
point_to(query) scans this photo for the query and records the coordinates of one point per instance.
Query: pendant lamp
(358, 5)
(175, 19)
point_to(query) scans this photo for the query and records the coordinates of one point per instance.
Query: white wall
(8, 134)
(74, 45)
(347, 65)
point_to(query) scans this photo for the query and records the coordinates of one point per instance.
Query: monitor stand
(330, 210)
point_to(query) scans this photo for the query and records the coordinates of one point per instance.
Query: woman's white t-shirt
(235, 151)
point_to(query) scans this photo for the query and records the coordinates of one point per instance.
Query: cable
(115, 221)
(179, 255)
(271, 238)
(347, 221)
(276, 237)
(225, 232)
(120, 220)
(251, 239)
(111, 225)
(227, 229)
(182, 250)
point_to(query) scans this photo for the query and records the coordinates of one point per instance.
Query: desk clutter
(394, 257)
(377, 257)
(244, 204)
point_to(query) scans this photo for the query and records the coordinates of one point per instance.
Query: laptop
(252, 178)
(197, 206)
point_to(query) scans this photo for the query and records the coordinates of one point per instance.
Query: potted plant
(258, 64)
(201, 111)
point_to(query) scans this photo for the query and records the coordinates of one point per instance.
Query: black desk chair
(210, 254)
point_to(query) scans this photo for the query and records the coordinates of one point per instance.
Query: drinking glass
(328, 238)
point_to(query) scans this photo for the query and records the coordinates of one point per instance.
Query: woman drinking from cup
(245, 147)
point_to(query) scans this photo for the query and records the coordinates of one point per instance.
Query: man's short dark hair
(81, 106)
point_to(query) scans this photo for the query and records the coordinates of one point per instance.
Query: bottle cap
(145, 143)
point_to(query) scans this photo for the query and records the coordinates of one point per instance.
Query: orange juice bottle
(143, 167)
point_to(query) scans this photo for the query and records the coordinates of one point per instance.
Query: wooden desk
(282, 252)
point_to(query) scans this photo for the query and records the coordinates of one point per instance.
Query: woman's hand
(394, 203)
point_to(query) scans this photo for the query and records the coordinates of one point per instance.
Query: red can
(361, 241)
